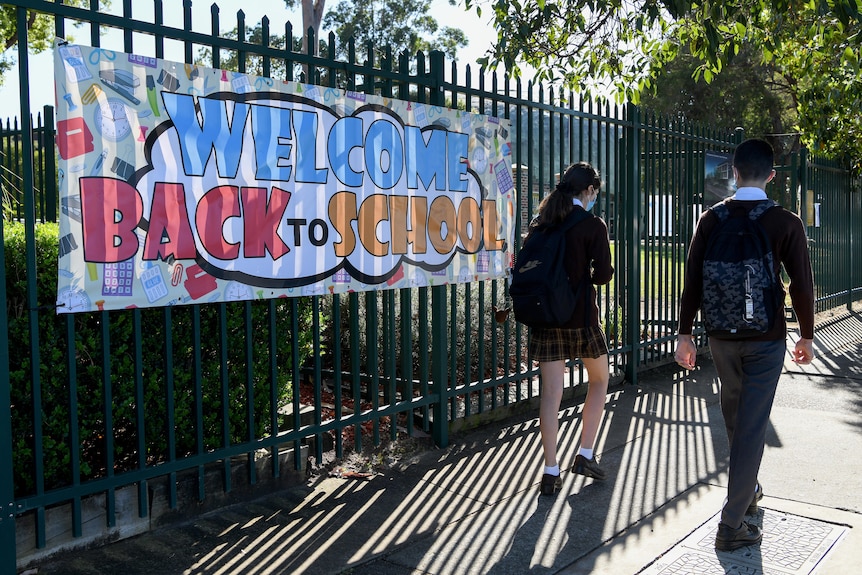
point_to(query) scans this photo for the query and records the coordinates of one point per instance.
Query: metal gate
(144, 407)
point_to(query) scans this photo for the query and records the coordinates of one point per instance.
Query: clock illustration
(112, 119)
(419, 279)
(236, 291)
(479, 160)
(71, 300)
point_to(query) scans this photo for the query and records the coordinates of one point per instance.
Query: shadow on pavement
(474, 507)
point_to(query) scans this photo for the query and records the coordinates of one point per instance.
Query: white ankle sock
(555, 470)
(587, 453)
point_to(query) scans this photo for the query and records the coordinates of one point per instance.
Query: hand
(803, 353)
(686, 352)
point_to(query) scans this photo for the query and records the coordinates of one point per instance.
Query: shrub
(176, 345)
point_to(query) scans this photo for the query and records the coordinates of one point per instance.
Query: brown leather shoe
(727, 538)
(550, 484)
(588, 468)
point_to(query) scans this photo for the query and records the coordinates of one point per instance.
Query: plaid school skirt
(554, 344)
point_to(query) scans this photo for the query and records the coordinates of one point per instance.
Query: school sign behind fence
(182, 184)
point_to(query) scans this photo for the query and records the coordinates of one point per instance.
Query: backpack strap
(723, 212)
(575, 217)
(761, 209)
(720, 210)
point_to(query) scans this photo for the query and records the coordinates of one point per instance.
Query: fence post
(852, 233)
(8, 553)
(803, 186)
(632, 222)
(49, 184)
(439, 351)
(802, 205)
(8, 558)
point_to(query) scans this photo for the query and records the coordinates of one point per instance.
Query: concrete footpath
(475, 508)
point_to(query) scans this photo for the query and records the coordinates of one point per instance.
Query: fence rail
(137, 401)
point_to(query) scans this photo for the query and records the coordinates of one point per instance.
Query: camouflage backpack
(740, 287)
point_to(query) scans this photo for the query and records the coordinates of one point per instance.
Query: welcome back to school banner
(181, 184)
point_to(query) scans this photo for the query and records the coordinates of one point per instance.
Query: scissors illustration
(96, 55)
(331, 94)
(261, 81)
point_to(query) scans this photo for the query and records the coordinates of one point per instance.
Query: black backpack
(740, 287)
(540, 290)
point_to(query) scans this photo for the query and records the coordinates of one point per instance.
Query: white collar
(749, 193)
(578, 202)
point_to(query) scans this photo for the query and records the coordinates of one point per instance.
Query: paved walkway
(474, 507)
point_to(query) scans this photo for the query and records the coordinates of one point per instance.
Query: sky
(479, 31)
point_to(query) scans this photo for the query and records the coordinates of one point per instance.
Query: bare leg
(594, 405)
(549, 406)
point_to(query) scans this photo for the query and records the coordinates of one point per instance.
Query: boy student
(749, 367)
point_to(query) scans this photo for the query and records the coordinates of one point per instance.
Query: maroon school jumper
(586, 242)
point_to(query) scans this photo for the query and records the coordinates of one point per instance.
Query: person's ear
(771, 176)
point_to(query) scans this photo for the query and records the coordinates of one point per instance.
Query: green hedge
(53, 397)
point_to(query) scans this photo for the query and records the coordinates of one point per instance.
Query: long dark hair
(558, 204)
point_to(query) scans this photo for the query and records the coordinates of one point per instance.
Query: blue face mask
(592, 203)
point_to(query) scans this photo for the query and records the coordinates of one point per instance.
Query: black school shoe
(758, 495)
(588, 468)
(728, 538)
(550, 484)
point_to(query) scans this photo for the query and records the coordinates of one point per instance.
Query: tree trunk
(312, 15)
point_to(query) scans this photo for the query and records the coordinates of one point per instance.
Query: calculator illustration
(117, 278)
(154, 284)
(73, 62)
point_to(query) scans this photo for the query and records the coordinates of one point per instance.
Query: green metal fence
(94, 404)
(829, 201)
(833, 205)
(44, 167)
